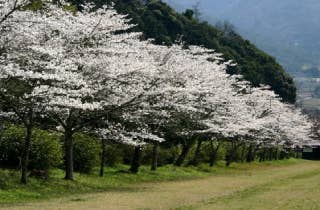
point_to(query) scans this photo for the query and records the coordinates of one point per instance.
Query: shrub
(166, 155)
(4, 177)
(128, 153)
(45, 148)
(86, 153)
(114, 154)
(11, 140)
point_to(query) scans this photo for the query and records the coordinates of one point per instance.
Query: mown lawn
(241, 186)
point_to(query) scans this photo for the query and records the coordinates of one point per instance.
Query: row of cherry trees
(83, 71)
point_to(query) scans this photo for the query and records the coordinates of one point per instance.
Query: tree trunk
(228, 160)
(25, 154)
(264, 154)
(276, 153)
(214, 153)
(232, 154)
(235, 155)
(260, 157)
(250, 154)
(195, 160)
(135, 164)
(68, 141)
(103, 154)
(155, 154)
(255, 152)
(183, 155)
(243, 153)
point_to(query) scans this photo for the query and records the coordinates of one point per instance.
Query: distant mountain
(287, 29)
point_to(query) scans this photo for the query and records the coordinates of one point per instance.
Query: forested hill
(159, 21)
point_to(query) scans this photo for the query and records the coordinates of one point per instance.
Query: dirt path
(216, 192)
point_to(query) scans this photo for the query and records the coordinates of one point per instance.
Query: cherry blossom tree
(22, 71)
(207, 93)
(78, 68)
(37, 76)
(262, 119)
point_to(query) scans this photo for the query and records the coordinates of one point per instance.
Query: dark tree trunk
(155, 154)
(264, 154)
(25, 154)
(228, 160)
(276, 153)
(250, 156)
(243, 153)
(235, 156)
(212, 159)
(68, 141)
(297, 153)
(195, 159)
(261, 154)
(270, 154)
(231, 156)
(255, 152)
(183, 155)
(135, 164)
(103, 154)
(214, 153)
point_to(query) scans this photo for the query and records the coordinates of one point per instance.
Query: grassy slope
(117, 182)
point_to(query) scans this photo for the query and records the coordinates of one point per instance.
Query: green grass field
(289, 184)
(115, 179)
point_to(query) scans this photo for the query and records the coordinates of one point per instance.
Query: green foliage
(70, 8)
(16, 87)
(166, 155)
(34, 5)
(45, 152)
(114, 154)
(86, 153)
(157, 20)
(10, 145)
(205, 153)
(4, 178)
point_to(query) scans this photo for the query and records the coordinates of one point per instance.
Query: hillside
(159, 21)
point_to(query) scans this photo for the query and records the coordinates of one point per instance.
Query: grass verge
(115, 179)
